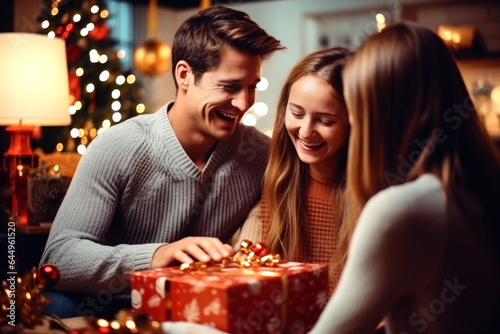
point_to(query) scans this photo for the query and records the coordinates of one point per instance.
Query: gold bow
(249, 255)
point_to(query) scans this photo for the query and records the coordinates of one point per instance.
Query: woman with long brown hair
(424, 255)
(304, 204)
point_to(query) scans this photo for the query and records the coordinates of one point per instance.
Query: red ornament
(48, 275)
(59, 30)
(67, 30)
(75, 86)
(37, 132)
(100, 32)
(73, 52)
(259, 249)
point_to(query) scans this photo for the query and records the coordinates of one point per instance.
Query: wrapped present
(150, 293)
(287, 297)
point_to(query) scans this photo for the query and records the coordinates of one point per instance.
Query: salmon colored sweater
(322, 225)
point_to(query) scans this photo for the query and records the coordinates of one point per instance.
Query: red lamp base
(20, 159)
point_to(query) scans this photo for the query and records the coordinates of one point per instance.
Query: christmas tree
(102, 93)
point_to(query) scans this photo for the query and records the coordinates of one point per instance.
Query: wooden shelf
(44, 228)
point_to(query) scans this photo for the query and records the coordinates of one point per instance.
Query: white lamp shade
(34, 86)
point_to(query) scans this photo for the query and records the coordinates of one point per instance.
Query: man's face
(222, 95)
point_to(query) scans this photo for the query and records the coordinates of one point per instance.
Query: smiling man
(172, 186)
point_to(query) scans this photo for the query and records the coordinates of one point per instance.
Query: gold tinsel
(125, 322)
(29, 303)
(26, 306)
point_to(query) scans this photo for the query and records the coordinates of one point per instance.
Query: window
(121, 25)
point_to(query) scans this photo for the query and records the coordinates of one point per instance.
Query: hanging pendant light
(205, 4)
(152, 57)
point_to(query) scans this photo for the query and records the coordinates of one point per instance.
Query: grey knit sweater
(136, 189)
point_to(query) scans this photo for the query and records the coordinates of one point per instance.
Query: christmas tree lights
(102, 93)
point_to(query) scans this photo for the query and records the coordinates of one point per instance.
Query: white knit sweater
(136, 189)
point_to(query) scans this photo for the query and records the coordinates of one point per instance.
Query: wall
(25, 15)
(481, 70)
(483, 15)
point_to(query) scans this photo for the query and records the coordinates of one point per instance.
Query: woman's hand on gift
(190, 249)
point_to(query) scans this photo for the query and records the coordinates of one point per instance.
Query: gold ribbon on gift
(249, 255)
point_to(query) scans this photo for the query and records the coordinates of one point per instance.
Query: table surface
(44, 228)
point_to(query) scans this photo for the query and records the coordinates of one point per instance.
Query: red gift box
(149, 293)
(285, 298)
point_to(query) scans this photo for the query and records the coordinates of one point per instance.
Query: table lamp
(34, 91)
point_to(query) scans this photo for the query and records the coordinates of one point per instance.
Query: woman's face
(317, 124)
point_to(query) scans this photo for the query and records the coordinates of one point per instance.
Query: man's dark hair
(200, 38)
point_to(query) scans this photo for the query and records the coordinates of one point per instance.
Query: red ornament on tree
(67, 30)
(75, 86)
(100, 32)
(259, 249)
(73, 52)
(59, 30)
(48, 275)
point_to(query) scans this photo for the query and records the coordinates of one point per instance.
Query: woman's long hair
(411, 115)
(286, 177)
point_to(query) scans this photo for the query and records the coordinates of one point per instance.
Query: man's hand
(191, 249)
